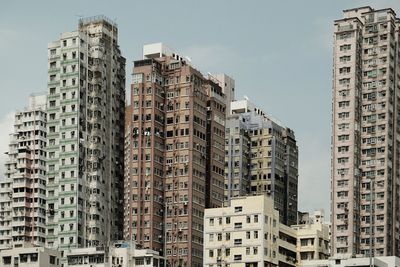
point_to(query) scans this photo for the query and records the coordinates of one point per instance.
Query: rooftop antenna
(80, 17)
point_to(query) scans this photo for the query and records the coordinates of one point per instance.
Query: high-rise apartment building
(261, 158)
(23, 193)
(176, 155)
(365, 133)
(85, 133)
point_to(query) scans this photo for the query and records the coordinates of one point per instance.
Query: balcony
(343, 28)
(53, 83)
(69, 74)
(54, 56)
(69, 61)
(53, 70)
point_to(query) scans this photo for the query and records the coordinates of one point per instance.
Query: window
(52, 259)
(256, 218)
(304, 242)
(34, 257)
(345, 47)
(228, 236)
(238, 209)
(238, 241)
(227, 251)
(237, 257)
(238, 225)
(211, 237)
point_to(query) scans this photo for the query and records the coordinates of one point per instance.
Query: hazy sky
(279, 53)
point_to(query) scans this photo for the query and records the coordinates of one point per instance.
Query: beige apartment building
(28, 255)
(176, 155)
(248, 233)
(117, 254)
(313, 238)
(365, 133)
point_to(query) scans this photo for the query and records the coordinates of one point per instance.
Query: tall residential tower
(365, 133)
(261, 157)
(85, 151)
(23, 193)
(176, 155)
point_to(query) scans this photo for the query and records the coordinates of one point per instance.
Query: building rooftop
(96, 19)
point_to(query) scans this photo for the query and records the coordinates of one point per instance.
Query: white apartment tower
(23, 192)
(86, 99)
(365, 133)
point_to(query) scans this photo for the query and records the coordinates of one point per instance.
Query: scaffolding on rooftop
(98, 18)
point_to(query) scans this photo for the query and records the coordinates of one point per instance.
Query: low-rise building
(120, 254)
(313, 236)
(248, 233)
(29, 256)
(389, 261)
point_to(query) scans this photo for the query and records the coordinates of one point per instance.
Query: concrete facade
(365, 126)
(248, 233)
(29, 256)
(261, 158)
(313, 239)
(228, 88)
(23, 193)
(175, 156)
(390, 261)
(85, 134)
(119, 254)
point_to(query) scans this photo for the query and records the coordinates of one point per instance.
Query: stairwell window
(238, 209)
(237, 257)
(238, 241)
(238, 225)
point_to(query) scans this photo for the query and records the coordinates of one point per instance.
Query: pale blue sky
(279, 53)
